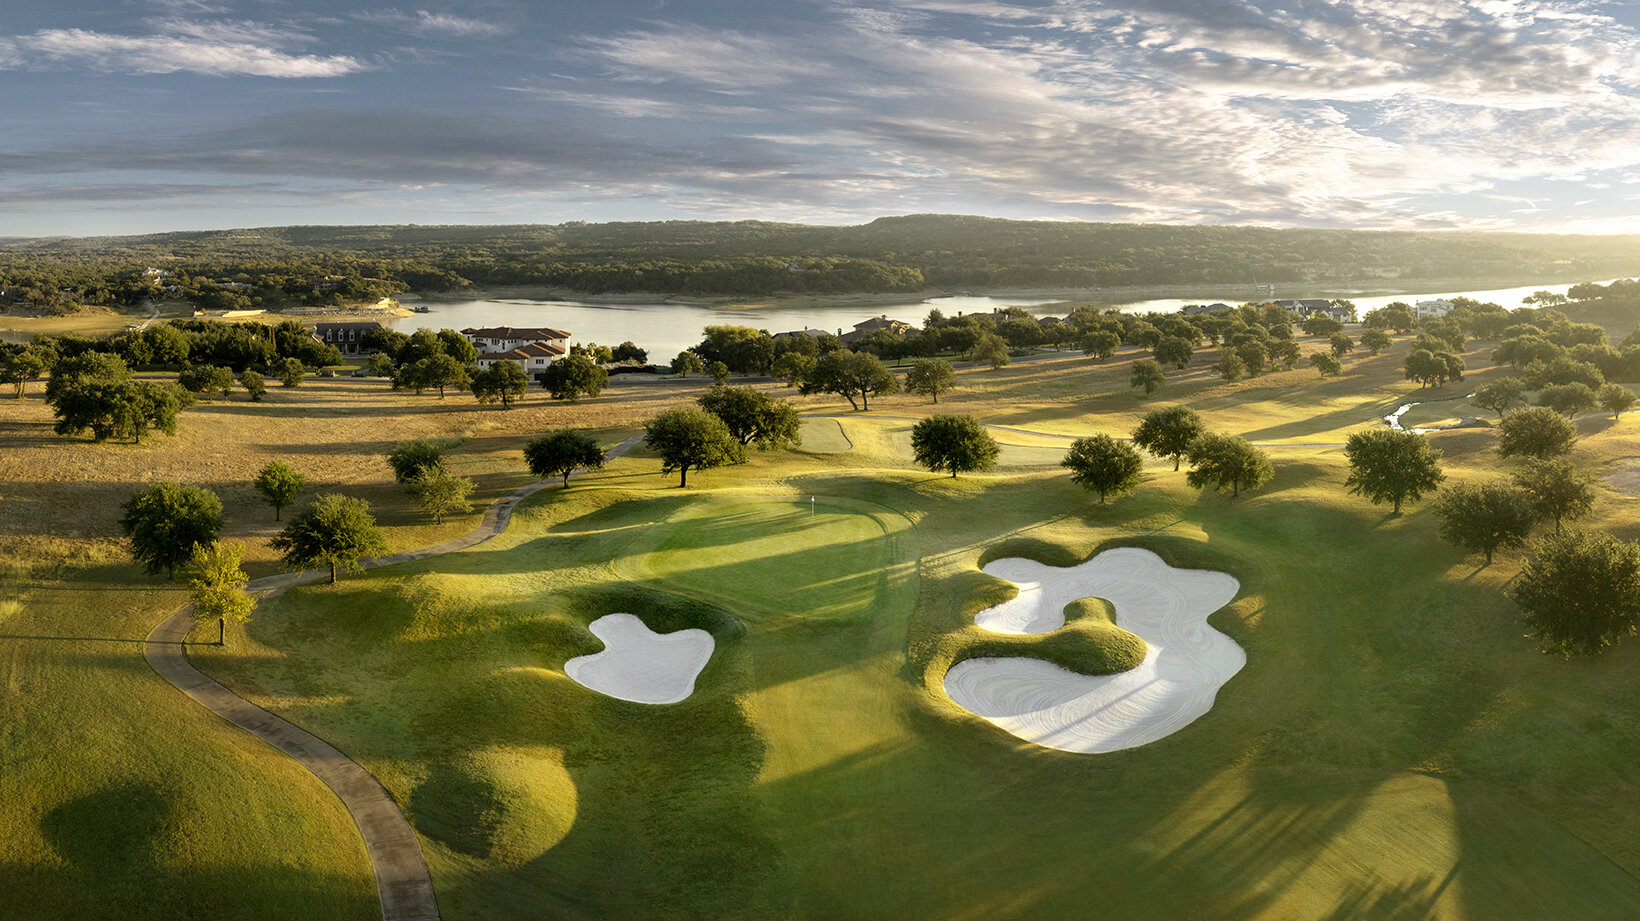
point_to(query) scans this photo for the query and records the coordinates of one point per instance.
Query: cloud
(423, 22)
(177, 46)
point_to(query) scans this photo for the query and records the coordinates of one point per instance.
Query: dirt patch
(1625, 477)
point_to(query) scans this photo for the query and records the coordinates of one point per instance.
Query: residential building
(346, 337)
(507, 338)
(1438, 307)
(533, 357)
(875, 324)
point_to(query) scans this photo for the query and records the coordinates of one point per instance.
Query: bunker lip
(1186, 663)
(640, 665)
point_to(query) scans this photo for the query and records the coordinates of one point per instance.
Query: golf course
(1370, 734)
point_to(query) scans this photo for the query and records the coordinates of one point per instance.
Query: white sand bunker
(1186, 663)
(640, 665)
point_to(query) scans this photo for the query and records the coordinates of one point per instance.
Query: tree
(1254, 355)
(1616, 399)
(688, 437)
(1499, 395)
(19, 365)
(1569, 399)
(793, 367)
(410, 458)
(502, 380)
(1100, 344)
(990, 349)
(1391, 466)
(1284, 352)
(1375, 341)
(1484, 517)
(1579, 592)
(562, 452)
(1230, 367)
(333, 530)
(1342, 345)
(754, 416)
(279, 485)
(629, 351)
(1104, 465)
(1432, 369)
(687, 363)
(1396, 316)
(291, 372)
(439, 493)
(218, 580)
(1557, 489)
(381, 364)
(166, 521)
(253, 384)
(116, 409)
(206, 379)
(1173, 350)
(1146, 373)
(570, 377)
(718, 371)
(1536, 431)
(1225, 461)
(851, 375)
(930, 377)
(1319, 324)
(443, 371)
(1326, 364)
(1169, 432)
(954, 443)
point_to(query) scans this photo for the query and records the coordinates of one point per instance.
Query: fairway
(775, 557)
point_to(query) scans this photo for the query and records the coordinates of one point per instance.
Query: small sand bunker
(1625, 478)
(1186, 664)
(640, 665)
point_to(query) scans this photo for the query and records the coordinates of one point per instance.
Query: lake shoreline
(1111, 296)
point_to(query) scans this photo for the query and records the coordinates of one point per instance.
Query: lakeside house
(876, 324)
(532, 357)
(346, 337)
(1439, 307)
(531, 348)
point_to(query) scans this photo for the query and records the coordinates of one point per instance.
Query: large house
(346, 337)
(875, 324)
(1435, 308)
(533, 357)
(531, 348)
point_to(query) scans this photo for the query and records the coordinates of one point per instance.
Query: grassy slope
(1393, 748)
(119, 797)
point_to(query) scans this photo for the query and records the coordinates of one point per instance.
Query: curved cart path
(402, 880)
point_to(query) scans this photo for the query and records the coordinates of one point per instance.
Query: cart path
(402, 880)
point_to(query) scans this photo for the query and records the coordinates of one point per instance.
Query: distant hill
(913, 252)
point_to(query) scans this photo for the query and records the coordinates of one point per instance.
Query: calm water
(667, 329)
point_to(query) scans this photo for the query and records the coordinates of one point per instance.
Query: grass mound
(1090, 643)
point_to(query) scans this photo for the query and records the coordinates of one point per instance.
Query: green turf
(1394, 749)
(1090, 642)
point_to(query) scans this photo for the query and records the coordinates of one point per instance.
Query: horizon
(168, 116)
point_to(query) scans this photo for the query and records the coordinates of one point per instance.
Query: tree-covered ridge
(906, 253)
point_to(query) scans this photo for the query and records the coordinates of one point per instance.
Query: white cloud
(214, 48)
(423, 22)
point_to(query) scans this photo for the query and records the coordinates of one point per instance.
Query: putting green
(775, 556)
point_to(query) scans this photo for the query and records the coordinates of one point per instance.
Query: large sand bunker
(1186, 663)
(640, 665)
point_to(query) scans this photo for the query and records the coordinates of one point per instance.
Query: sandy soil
(1186, 663)
(1625, 477)
(640, 665)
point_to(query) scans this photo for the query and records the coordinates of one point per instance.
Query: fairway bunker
(1185, 665)
(640, 665)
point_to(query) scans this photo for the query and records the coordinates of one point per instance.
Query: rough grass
(1393, 749)
(1090, 642)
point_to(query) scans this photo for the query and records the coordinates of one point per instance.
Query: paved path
(402, 880)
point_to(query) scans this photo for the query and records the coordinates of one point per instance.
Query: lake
(667, 329)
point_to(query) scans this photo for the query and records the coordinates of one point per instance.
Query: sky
(137, 116)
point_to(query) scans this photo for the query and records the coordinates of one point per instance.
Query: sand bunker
(640, 665)
(1186, 664)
